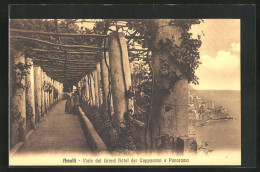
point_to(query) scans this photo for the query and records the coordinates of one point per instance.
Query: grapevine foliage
(186, 56)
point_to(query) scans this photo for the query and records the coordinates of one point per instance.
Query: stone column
(48, 93)
(30, 99)
(87, 88)
(105, 78)
(51, 95)
(37, 90)
(92, 89)
(42, 94)
(170, 108)
(81, 88)
(120, 76)
(100, 98)
(54, 87)
(58, 89)
(18, 104)
(96, 87)
(61, 91)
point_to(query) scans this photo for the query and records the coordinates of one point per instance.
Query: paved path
(59, 132)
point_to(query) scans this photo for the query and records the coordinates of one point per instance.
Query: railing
(93, 139)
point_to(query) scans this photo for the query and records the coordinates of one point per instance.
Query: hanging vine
(186, 56)
(29, 111)
(20, 71)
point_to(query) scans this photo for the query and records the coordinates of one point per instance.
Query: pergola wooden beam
(54, 62)
(62, 72)
(56, 66)
(134, 49)
(68, 52)
(68, 61)
(70, 34)
(53, 44)
(67, 70)
(67, 67)
(62, 59)
(67, 75)
(58, 34)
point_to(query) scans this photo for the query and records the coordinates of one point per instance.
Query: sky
(219, 53)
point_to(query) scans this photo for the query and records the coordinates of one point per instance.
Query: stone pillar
(61, 84)
(105, 78)
(120, 76)
(30, 97)
(92, 89)
(100, 98)
(37, 90)
(51, 95)
(18, 104)
(42, 94)
(81, 87)
(48, 93)
(96, 87)
(57, 87)
(54, 91)
(170, 101)
(87, 88)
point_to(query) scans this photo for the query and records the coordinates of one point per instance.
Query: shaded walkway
(59, 132)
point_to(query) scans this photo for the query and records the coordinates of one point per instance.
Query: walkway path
(59, 132)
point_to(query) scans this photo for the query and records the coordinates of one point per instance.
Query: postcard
(124, 92)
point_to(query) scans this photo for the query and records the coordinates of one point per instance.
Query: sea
(222, 135)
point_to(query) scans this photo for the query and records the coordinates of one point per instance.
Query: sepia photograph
(124, 92)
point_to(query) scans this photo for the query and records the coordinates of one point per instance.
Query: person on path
(68, 104)
(76, 103)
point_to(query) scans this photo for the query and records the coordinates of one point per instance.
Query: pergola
(68, 63)
(102, 69)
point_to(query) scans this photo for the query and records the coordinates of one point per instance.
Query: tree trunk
(169, 103)
(30, 99)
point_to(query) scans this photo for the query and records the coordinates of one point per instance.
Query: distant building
(222, 109)
(211, 105)
(193, 115)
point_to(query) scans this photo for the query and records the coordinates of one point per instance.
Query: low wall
(94, 141)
